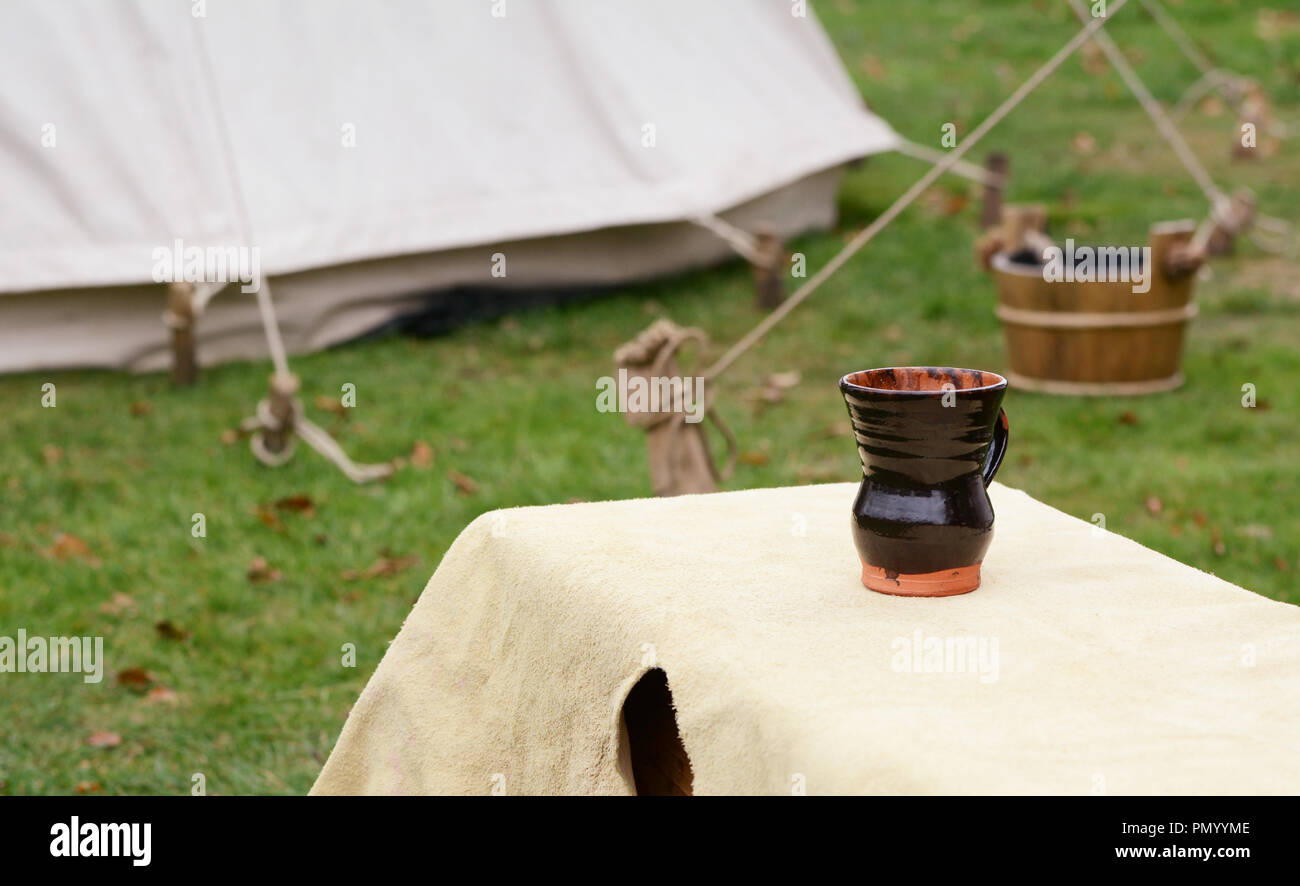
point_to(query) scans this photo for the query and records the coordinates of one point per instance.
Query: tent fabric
(120, 327)
(345, 133)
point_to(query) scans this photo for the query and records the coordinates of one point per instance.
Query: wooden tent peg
(768, 267)
(281, 401)
(997, 164)
(180, 317)
(1238, 216)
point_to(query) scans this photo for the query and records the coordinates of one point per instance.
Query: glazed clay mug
(930, 439)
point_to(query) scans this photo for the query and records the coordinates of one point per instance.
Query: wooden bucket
(1097, 338)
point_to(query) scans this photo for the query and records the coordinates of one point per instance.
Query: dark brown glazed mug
(930, 439)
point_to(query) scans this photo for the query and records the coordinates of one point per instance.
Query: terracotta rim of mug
(954, 371)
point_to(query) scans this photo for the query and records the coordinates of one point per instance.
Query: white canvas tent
(373, 152)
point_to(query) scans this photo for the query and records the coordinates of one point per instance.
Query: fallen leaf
(383, 566)
(104, 740)
(1128, 417)
(873, 67)
(117, 604)
(229, 437)
(137, 679)
(421, 454)
(753, 457)
(52, 454)
(67, 546)
(1275, 24)
(464, 485)
(331, 404)
(1154, 504)
(170, 631)
(89, 787)
(269, 518)
(162, 695)
(301, 504)
(1216, 542)
(260, 571)
(1093, 59)
(141, 407)
(1199, 518)
(1281, 565)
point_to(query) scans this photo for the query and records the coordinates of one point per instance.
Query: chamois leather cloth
(1085, 663)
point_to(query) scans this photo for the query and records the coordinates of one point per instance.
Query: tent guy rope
(949, 161)
(281, 414)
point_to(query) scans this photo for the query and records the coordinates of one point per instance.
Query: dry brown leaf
(301, 504)
(170, 631)
(229, 437)
(66, 546)
(421, 454)
(104, 740)
(464, 484)
(1199, 518)
(873, 67)
(1216, 542)
(162, 695)
(753, 457)
(260, 571)
(137, 679)
(89, 787)
(269, 518)
(141, 407)
(331, 404)
(1128, 417)
(383, 566)
(52, 454)
(117, 604)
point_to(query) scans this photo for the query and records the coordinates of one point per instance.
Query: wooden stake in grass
(768, 264)
(180, 317)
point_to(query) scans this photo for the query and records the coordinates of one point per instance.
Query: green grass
(259, 691)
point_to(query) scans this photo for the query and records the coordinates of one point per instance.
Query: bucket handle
(997, 448)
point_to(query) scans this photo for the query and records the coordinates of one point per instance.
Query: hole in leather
(660, 767)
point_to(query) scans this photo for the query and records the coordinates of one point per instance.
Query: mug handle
(997, 448)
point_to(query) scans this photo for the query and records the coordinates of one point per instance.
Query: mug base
(945, 583)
